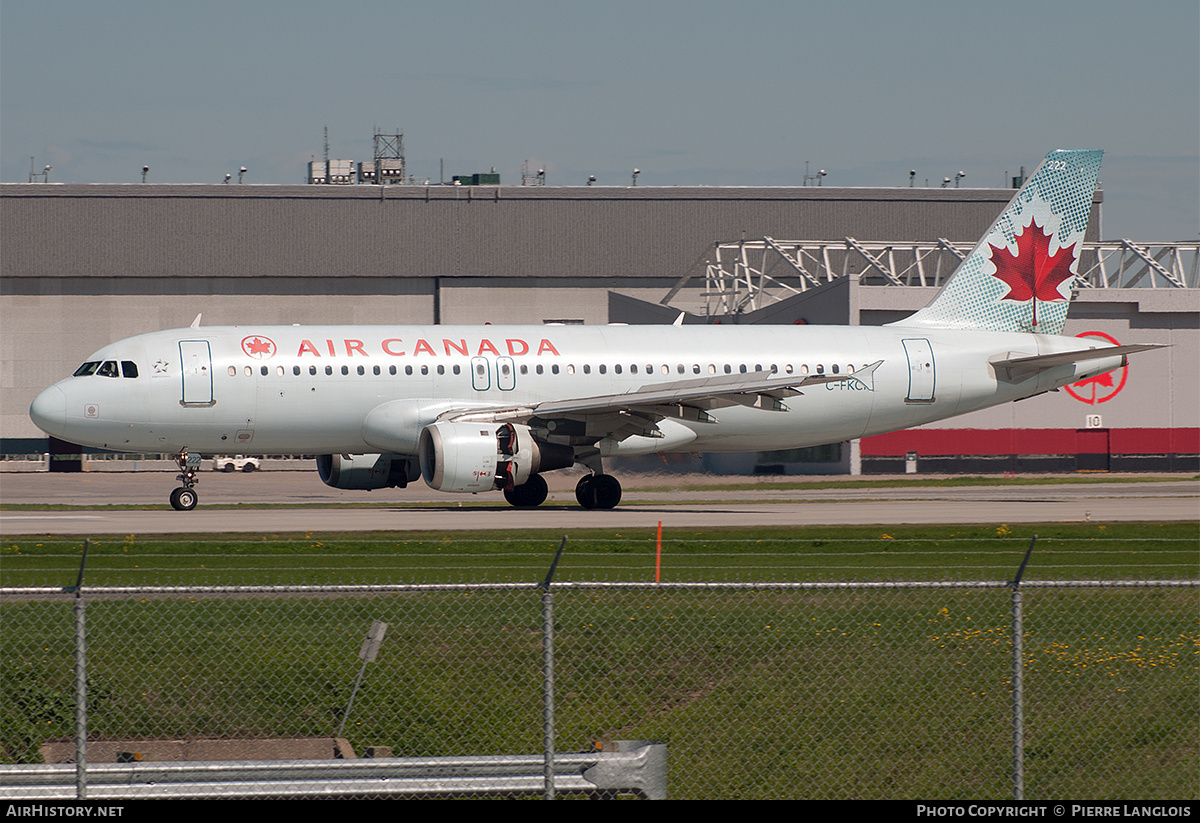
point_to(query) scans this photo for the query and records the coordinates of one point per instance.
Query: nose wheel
(184, 499)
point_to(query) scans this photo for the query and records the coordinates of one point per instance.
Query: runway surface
(674, 501)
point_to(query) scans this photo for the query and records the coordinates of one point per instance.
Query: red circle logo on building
(258, 347)
(1102, 387)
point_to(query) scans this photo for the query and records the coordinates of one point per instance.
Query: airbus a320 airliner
(474, 409)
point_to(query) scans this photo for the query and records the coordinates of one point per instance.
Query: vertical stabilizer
(1019, 277)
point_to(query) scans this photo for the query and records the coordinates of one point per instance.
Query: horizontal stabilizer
(1017, 369)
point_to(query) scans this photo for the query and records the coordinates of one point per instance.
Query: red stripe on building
(934, 442)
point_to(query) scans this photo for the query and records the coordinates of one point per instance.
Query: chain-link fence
(805, 690)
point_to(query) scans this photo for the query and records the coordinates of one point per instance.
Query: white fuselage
(311, 389)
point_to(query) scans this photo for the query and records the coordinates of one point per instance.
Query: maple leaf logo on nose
(260, 348)
(1033, 273)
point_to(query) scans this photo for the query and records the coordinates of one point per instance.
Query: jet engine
(365, 472)
(476, 457)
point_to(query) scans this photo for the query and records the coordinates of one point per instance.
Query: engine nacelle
(476, 457)
(365, 472)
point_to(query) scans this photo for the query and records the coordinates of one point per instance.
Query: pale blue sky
(692, 93)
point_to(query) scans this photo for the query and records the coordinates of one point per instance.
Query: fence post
(548, 673)
(1018, 678)
(548, 690)
(81, 678)
(80, 698)
(1018, 698)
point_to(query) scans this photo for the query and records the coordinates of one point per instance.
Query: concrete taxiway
(297, 500)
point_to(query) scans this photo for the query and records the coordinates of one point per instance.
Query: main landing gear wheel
(598, 491)
(529, 494)
(184, 499)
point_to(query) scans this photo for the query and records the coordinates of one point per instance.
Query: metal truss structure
(745, 275)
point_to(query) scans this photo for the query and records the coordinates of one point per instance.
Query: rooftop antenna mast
(44, 173)
(389, 157)
(325, 167)
(811, 178)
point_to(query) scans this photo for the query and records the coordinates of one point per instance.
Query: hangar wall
(85, 265)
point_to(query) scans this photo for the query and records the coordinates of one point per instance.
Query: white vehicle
(474, 409)
(236, 462)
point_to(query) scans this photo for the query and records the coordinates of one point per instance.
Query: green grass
(847, 693)
(1063, 551)
(763, 694)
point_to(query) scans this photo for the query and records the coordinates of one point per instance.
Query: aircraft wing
(1016, 369)
(636, 411)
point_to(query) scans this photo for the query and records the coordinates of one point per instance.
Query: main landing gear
(598, 491)
(185, 498)
(529, 494)
(594, 491)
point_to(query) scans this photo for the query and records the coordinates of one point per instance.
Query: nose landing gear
(185, 498)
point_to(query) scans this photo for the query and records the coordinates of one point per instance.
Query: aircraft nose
(49, 411)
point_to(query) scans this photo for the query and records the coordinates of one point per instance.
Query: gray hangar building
(84, 265)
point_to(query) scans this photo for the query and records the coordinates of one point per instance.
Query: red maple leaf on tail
(1033, 274)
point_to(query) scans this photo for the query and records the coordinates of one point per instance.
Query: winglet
(196, 322)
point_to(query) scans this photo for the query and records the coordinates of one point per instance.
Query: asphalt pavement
(298, 501)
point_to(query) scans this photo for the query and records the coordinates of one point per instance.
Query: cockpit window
(129, 368)
(108, 369)
(87, 368)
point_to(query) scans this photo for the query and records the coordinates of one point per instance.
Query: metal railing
(745, 275)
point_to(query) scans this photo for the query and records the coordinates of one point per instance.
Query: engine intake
(476, 457)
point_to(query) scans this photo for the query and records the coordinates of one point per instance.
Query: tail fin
(1020, 275)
